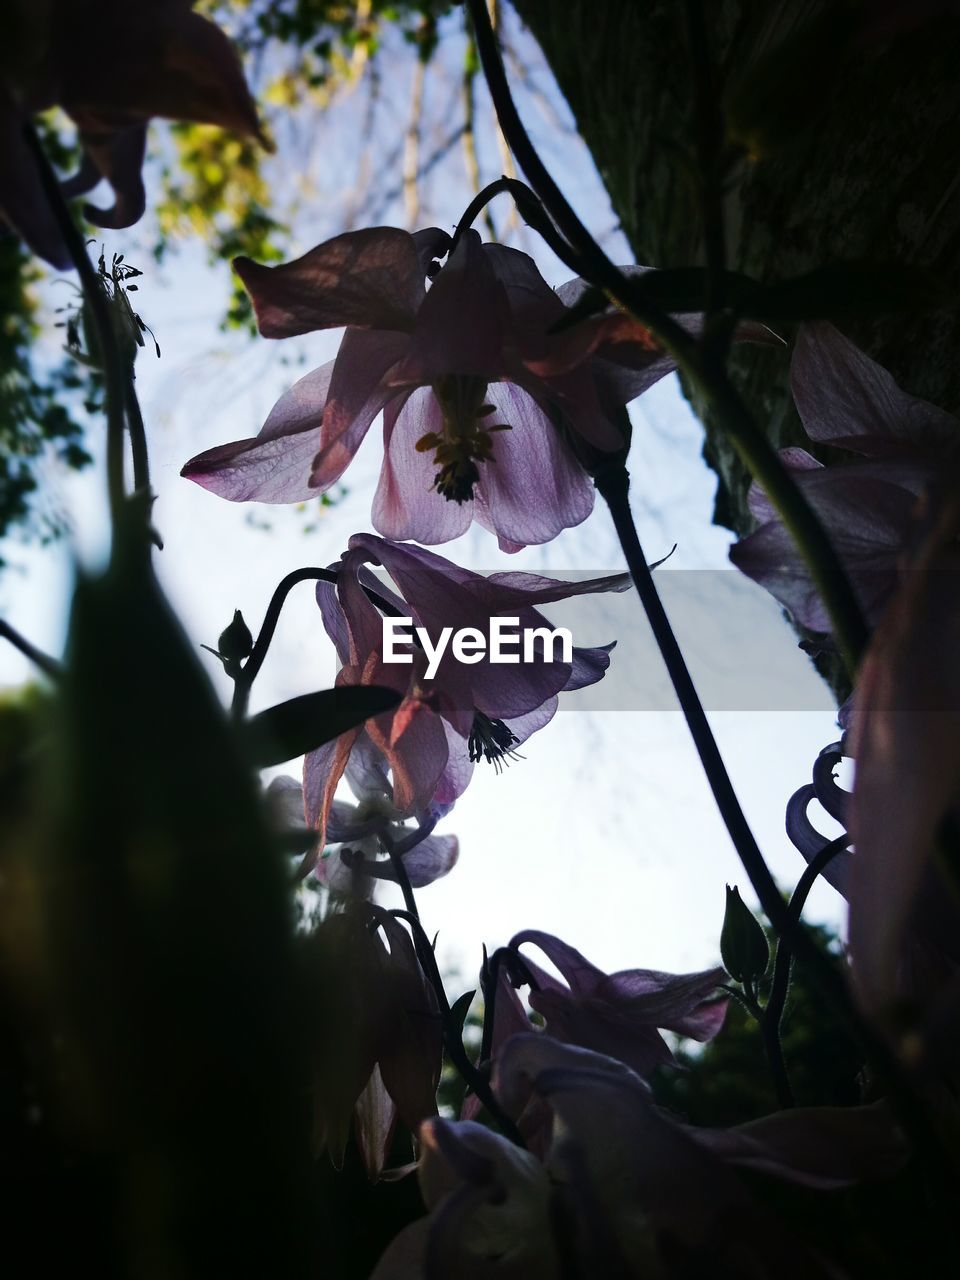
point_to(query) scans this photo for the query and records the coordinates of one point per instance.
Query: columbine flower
(375, 1027)
(847, 401)
(479, 400)
(623, 1189)
(616, 1014)
(111, 65)
(358, 836)
(465, 713)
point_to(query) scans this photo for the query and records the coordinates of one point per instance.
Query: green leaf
(302, 724)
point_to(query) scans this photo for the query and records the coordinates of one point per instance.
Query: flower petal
(533, 487)
(406, 505)
(371, 279)
(431, 859)
(274, 466)
(844, 398)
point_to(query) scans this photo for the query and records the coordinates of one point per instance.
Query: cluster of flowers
(496, 410)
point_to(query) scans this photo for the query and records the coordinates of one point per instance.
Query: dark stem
(531, 210)
(251, 668)
(138, 436)
(590, 261)
(771, 1047)
(49, 666)
(452, 1036)
(783, 961)
(114, 365)
(400, 872)
(613, 485)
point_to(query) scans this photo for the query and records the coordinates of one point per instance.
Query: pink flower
(463, 713)
(483, 409)
(112, 66)
(847, 401)
(622, 1188)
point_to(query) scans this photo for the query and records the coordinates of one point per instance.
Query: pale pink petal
(274, 466)
(375, 1119)
(406, 506)
(359, 389)
(532, 486)
(371, 279)
(845, 398)
(322, 771)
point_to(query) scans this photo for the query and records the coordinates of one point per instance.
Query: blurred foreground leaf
(302, 724)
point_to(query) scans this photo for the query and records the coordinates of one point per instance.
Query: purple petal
(431, 243)
(589, 666)
(834, 798)
(844, 398)
(460, 324)
(583, 977)
(431, 859)
(371, 279)
(359, 389)
(532, 487)
(821, 1147)
(759, 505)
(274, 466)
(406, 505)
(809, 841)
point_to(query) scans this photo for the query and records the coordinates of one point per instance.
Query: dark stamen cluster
(492, 741)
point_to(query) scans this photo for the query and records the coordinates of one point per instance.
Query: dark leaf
(302, 724)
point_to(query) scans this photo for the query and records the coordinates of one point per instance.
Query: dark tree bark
(869, 169)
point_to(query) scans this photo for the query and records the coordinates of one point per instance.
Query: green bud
(236, 641)
(743, 943)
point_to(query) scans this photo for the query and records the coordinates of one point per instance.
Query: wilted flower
(375, 1024)
(481, 403)
(868, 508)
(359, 835)
(111, 65)
(463, 713)
(623, 1189)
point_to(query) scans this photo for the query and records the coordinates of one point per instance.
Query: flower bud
(236, 641)
(743, 943)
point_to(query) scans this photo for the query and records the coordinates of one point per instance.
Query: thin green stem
(751, 444)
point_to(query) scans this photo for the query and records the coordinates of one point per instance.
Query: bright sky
(605, 833)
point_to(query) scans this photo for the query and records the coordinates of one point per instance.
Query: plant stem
(783, 960)
(771, 1047)
(49, 666)
(251, 668)
(751, 444)
(114, 365)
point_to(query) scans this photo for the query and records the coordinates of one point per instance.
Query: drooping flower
(617, 1014)
(482, 405)
(374, 1022)
(868, 507)
(359, 836)
(463, 713)
(112, 66)
(622, 1188)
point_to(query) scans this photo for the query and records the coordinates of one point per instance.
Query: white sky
(606, 833)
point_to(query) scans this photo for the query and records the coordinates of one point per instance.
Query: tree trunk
(871, 171)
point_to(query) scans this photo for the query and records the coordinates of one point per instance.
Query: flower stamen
(465, 440)
(492, 740)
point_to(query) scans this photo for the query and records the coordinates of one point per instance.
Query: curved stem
(49, 666)
(251, 668)
(751, 444)
(783, 961)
